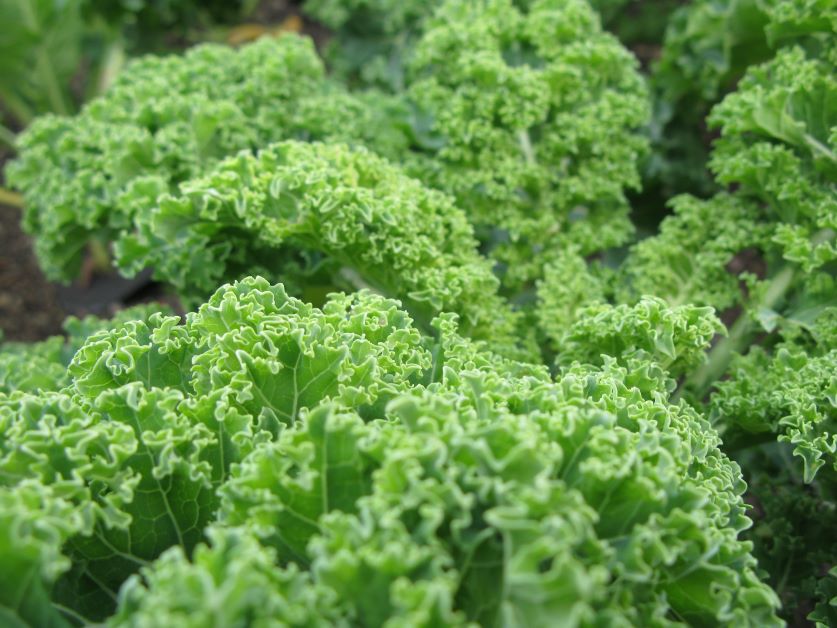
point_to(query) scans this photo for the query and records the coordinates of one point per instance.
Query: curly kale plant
(320, 215)
(533, 119)
(270, 462)
(764, 251)
(528, 119)
(777, 148)
(511, 409)
(166, 120)
(374, 40)
(528, 115)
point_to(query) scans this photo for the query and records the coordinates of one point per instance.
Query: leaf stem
(8, 137)
(13, 199)
(739, 336)
(69, 612)
(111, 66)
(819, 147)
(44, 66)
(526, 147)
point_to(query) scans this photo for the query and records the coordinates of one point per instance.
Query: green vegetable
(708, 47)
(55, 54)
(324, 215)
(504, 396)
(767, 249)
(165, 120)
(374, 40)
(40, 50)
(42, 366)
(533, 120)
(535, 168)
(336, 467)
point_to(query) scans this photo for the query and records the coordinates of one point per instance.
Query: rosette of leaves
(373, 40)
(140, 168)
(526, 112)
(165, 120)
(529, 118)
(267, 461)
(320, 216)
(768, 245)
(708, 47)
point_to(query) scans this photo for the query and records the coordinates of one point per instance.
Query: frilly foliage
(528, 118)
(765, 250)
(320, 214)
(709, 45)
(380, 456)
(533, 119)
(164, 121)
(672, 338)
(374, 40)
(268, 459)
(42, 366)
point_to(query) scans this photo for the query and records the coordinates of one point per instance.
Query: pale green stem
(820, 148)
(45, 69)
(112, 64)
(8, 137)
(526, 146)
(739, 337)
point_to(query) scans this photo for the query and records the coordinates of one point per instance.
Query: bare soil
(29, 306)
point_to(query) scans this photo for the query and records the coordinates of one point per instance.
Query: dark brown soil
(29, 306)
(32, 308)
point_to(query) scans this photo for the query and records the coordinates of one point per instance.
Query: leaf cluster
(487, 391)
(267, 461)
